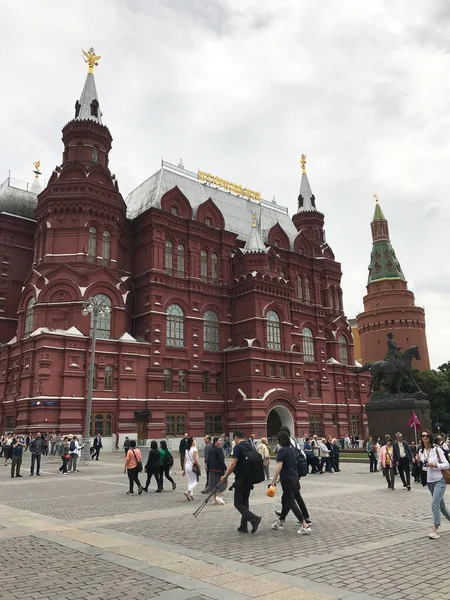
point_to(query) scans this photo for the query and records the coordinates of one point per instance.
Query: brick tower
(389, 306)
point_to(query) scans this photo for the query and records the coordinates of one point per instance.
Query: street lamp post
(95, 308)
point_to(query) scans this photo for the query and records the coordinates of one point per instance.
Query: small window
(175, 425)
(205, 382)
(343, 350)
(94, 155)
(108, 377)
(29, 317)
(219, 383)
(331, 299)
(271, 370)
(300, 288)
(204, 265)
(282, 371)
(273, 331)
(315, 425)
(168, 261)
(208, 221)
(182, 383)
(213, 425)
(106, 247)
(180, 260)
(167, 380)
(214, 268)
(307, 291)
(77, 109)
(101, 423)
(92, 244)
(174, 209)
(94, 108)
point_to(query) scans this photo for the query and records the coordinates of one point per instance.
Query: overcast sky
(241, 88)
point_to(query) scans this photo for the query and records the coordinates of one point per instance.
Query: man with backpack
(288, 472)
(74, 449)
(247, 466)
(36, 448)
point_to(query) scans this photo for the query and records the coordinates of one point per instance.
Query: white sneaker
(278, 525)
(220, 501)
(304, 531)
(434, 535)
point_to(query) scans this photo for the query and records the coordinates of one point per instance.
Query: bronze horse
(381, 368)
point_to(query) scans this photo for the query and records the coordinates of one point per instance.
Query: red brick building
(225, 312)
(389, 306)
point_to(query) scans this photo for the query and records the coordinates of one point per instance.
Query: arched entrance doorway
(278, 417)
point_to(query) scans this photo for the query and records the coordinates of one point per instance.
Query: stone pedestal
(389, 414)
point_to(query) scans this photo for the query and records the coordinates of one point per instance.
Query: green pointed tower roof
(384, 264)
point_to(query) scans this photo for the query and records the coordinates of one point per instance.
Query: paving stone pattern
(44, 570)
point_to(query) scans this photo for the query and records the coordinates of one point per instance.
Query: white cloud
(241, 88)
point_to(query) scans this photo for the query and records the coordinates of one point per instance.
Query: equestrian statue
(396, 368)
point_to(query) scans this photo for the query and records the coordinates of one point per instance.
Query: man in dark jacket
(208, 447)
(182, 449)
(97, 445)
(403, 458)
(36, 448)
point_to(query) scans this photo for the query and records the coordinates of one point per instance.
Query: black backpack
(72, 446)
(169, 459)
(302, 462)
(252, 468)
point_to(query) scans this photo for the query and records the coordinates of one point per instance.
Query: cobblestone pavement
(81, 537)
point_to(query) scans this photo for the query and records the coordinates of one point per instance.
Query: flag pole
(415, 432)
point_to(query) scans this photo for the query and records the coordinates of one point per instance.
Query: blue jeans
(437, 490)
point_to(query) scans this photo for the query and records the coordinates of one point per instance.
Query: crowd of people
(68, 448)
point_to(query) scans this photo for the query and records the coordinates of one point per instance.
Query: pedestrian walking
(46, 445)
(207, 452)
(166, 464)
(403, 459)
(242, 484)
(265, 454)
(17, 447)
(416, 470)
(126, 445)
(7, 449)
(97, 446)
(433, 463)
(191, 467)
(227, 446)
(64, 454)
(370, 447)
(153, 467)
(28, 441)
(388, 463)
(36, 449)
(133, 466)
(217, 468)
(286, 470)
(74, 451)
(182, 449)
(325, 450)
(335, 455)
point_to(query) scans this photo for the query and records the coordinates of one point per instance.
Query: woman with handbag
(436, 466)
(388, 464)
(133, 466)
(191, 467)
(265, 454)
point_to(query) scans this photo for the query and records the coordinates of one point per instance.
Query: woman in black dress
(153, 467)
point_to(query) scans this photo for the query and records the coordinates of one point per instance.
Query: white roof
(236, 210)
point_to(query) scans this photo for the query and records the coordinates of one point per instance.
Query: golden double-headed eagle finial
(376, 198)
(303, 163)
(37, 166)
(91, 59)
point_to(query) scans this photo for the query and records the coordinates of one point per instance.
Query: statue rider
(393, 351)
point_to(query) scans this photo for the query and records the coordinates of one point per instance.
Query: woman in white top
(190, 466)
(434, 462)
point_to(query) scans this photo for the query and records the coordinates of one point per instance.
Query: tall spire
(88, 106)
(306, 199)
(255, 242)
(383, 261)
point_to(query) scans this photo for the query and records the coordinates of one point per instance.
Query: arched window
(29, 313)
(168, 260)
(214, 268)
(210, 331)
(94, 108)
(94, 155)
(103, 329)
(204, 265)
(307, 291)
(167, 380)
(92, 245)
(205, 382)
(331, 299)
(308, 345)
(180, 260)
(182, 383)
(300, 288)
(273, 331)
(343, 350)
(175, 326)
(106, 246)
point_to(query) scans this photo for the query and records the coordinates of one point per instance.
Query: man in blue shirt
(242, 488)
(17, 446)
